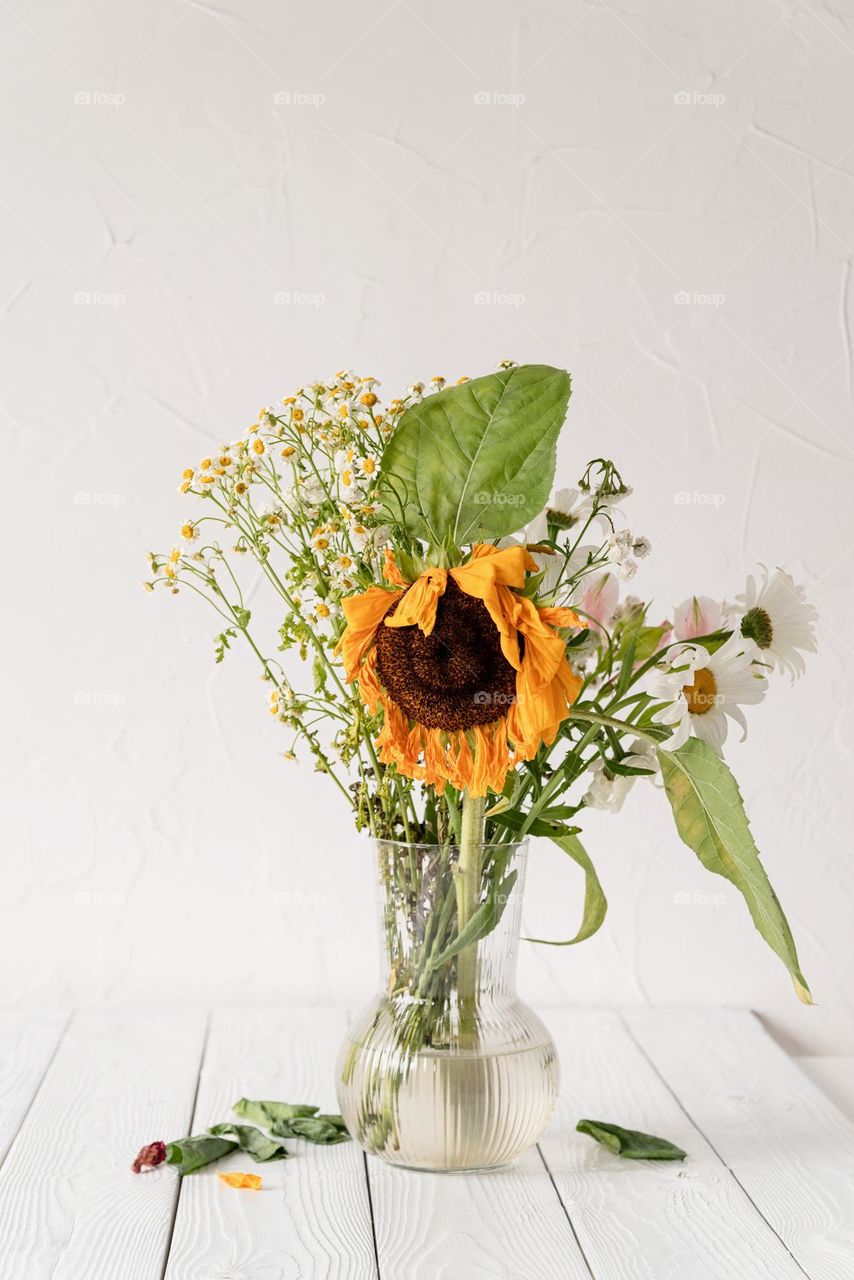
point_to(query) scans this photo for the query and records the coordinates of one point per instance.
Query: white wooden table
(767, 1192)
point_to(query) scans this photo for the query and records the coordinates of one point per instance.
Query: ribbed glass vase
(447, 1069)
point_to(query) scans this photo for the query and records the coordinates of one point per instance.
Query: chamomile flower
(703, 691)
(778, 618)
(608, 790)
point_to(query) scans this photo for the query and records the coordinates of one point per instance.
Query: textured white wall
(581, 166)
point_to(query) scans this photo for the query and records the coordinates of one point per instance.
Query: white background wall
(156, 848)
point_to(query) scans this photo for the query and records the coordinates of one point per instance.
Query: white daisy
(778, 618)
(703, 690)
(567, 509)
(609, 790)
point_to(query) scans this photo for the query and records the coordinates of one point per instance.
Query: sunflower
(471, 676)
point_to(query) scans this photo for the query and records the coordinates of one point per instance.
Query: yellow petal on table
(249, 1180)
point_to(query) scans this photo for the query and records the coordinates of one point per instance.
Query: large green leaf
(595, 902)
(476, 460)
(710, 818)
(193, 1153)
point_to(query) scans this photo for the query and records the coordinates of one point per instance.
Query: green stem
(467, 886)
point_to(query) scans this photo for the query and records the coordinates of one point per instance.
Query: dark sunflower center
(456, 677)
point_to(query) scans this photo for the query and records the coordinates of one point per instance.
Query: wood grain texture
(785, 1141)
(28, 1040)
(312, 1217)
(509, 1223)
(646, 1220)
(69, 1204)
(834, 1076)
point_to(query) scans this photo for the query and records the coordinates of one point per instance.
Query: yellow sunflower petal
(364, 613)
(418, 606)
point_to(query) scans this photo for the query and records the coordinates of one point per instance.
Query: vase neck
(423, 952)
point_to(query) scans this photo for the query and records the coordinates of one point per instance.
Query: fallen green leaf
(630, 1143)
(326, 1130)
(268, 1113)
(251, 1140)
(189, 1154)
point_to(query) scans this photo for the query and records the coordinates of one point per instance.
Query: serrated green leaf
(630, 1143)
(251, 1140)
(476, 461)
(710, 819)
(595, 902)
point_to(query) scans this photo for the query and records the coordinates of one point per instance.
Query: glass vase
(447, 1069)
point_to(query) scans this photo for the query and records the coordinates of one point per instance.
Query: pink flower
(697, 616)
(598, 600)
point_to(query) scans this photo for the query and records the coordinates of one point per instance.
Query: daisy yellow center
(756, 625)
(701, 696)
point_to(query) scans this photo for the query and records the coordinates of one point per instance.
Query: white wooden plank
(834, 1075)
(312, 1217)
(28, 1040)
(788, 1145)
(646, 1220)
(507, 1223)
(70, 1206)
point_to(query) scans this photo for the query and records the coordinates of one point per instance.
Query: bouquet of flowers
(474, 676)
